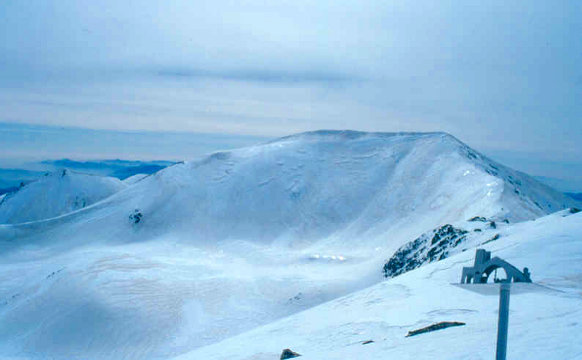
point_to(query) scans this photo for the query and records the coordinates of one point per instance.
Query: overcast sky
(503, 76)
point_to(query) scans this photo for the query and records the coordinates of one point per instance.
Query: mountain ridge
(341, 145)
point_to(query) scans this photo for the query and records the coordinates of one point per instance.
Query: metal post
(503, 323)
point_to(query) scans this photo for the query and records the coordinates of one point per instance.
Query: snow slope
(240, 239)
(135, 178)
(56, 194)
(545, 323)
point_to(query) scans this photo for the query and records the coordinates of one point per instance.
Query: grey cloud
(499, 75)
(260, 75)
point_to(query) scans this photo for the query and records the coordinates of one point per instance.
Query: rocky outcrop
(136, 216)
(289, 354)
(429, 247)
(438, 326)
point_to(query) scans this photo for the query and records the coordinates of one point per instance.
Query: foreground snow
(545, 324)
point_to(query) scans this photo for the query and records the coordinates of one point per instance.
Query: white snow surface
(56, 194)
(545, 319)
(240, 239)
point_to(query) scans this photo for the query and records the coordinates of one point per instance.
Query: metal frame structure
(475, 279)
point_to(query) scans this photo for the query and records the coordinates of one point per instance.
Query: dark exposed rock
(289, 354)
(471, 155)
(492, 223)
(136, 216)
(434, 327)
(574, 210)
(54, 273)
(429, 247)
(496, 237)
(367, 342)
(295, 298)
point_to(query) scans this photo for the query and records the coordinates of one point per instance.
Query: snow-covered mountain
(56, 194)
(327, 185)
(204, 250)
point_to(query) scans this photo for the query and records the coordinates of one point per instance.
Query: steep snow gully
(205, 250)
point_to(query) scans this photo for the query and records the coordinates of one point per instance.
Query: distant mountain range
(120, 169)
(571, 186)
(12, 179)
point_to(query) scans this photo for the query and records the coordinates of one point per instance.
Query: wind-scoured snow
(56, 194)
(205, 250)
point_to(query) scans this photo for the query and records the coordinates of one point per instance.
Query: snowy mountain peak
(353, 134)
(55, 194)
(330, 187)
